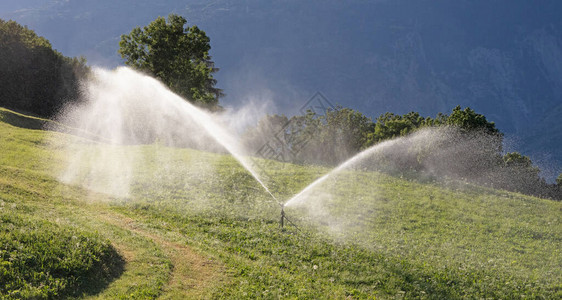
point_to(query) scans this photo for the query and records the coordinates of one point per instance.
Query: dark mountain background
(502, 58)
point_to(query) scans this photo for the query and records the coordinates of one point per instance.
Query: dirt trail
(192, 275)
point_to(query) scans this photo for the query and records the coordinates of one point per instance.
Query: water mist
(122, 108)
(371, 156)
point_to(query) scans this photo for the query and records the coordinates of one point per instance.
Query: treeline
(462, 145)
(34, 77)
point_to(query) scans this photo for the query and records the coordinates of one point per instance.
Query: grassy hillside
(197, 225)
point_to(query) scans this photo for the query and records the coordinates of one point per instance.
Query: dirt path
(193, 275)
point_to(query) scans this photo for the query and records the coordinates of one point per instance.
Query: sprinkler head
(282, 216)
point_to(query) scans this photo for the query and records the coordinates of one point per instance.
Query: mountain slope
(363, 234)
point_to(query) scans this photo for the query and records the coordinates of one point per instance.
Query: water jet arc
(298, 198)
(120, 101)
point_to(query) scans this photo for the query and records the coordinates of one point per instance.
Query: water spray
(123, 99)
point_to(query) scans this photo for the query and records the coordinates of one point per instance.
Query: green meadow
(193, 224)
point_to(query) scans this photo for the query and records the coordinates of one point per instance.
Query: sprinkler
(284, 220)
(282, 215)
(287, 220)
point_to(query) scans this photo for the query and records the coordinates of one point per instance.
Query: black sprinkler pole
(282, 215)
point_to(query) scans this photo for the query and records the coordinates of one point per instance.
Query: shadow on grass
(109, 267)
(22, 121)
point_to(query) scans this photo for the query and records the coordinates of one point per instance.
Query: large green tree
(176, 54)
(34, 77)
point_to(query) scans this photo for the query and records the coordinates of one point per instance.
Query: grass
(115, 263)
(42, 259)
(361, 234)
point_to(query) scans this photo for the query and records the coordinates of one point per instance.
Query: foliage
(469, 120)
(267, 127)
(311, 138)
(472, 150)
(343, 134)
(35, 78)
(389, 125)
(177, 55)
(516, 160)
(521, 175)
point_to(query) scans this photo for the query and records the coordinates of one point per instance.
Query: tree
(266, 130)
(468, 120)
(343, 134)
(34, 77)
(522, 176)
(389, 125)
(521, 167)
(177, 55)
(559, 180)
